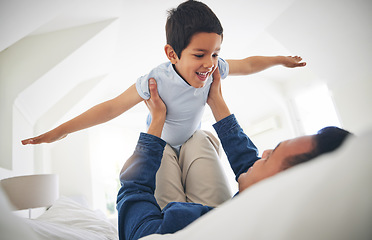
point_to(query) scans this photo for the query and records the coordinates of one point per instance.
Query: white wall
(20, 18)
(71, 160)
(44, 79)
(335, 38)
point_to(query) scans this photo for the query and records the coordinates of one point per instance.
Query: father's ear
(171, 54)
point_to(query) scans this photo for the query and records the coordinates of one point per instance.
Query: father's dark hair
(187, 19)
(326, 140)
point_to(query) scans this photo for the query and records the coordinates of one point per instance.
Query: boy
(194, 36)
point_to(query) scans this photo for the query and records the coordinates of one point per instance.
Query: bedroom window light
(314, 109)
(111, 145)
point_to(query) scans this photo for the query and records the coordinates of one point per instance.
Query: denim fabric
(138, 212)
(239, 149)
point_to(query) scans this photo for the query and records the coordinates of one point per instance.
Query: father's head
(292, 152)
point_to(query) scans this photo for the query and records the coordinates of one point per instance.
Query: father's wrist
(219, 108)
(156, 126)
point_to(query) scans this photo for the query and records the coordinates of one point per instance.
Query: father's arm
(138, 212)
(240, 150)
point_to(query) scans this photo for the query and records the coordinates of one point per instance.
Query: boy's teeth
(204, 74)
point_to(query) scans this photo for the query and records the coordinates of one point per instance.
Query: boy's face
(199, 59)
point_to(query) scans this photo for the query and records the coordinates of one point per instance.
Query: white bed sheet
(67, 219)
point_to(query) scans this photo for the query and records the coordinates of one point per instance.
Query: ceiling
(244, 26)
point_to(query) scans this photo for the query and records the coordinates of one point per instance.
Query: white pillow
(327, 198)
(67, 219)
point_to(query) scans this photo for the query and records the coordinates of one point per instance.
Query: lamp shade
(31, 191)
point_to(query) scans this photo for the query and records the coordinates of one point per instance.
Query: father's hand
(215, 92)
(157, 109)
(215, 99)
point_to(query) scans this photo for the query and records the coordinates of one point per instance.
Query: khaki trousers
(195, 175)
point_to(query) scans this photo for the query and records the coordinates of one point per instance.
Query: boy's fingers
(299, 59)
(28, 141)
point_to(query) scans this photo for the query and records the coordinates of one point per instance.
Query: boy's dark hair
(187, 19)
(326, 140)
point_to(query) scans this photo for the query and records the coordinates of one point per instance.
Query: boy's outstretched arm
(100, 113)
(255, 64)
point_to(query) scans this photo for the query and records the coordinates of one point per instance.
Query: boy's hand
(293, 62)
(157, 109)
(48, 137)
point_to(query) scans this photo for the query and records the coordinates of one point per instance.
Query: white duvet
(328, 198)
(67, 219)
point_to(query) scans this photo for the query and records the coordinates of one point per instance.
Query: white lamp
(32, 191)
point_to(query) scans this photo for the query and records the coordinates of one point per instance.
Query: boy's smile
(199, 59)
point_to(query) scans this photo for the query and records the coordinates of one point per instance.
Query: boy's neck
(175, 69)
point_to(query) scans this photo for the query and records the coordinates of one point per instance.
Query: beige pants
(195, 176)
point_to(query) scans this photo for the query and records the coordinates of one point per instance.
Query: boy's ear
(171, 54)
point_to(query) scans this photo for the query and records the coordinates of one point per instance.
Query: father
(139, 212)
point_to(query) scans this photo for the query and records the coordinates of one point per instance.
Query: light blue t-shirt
(185, 104)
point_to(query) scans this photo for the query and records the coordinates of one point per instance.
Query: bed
(66, 219)
(327, 198)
